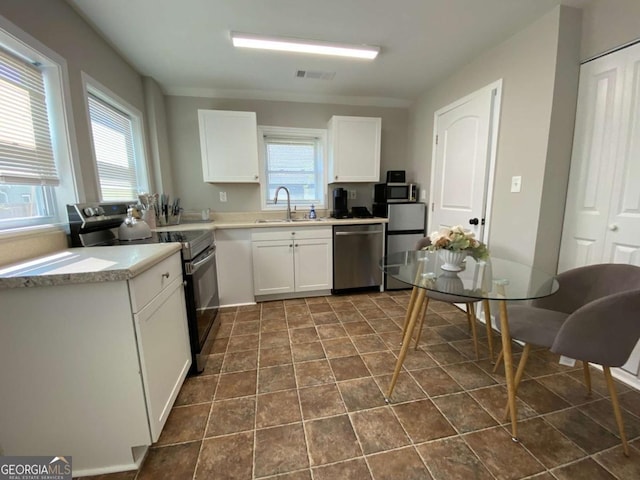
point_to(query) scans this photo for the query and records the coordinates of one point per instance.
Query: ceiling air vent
(315, 75)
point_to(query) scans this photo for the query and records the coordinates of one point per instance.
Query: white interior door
(465, 134)
(592, 163)
(622, 239)
(602, 216)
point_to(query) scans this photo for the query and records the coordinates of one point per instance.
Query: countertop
(85, 265)
(123, 262)
(249, 221)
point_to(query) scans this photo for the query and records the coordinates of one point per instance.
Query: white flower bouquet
(457, 239)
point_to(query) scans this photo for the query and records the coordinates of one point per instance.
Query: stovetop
(95, 224)
(193, 242)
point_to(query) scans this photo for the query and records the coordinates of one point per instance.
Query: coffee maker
(340, 209)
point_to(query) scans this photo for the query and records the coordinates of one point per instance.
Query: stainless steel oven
(94, 224)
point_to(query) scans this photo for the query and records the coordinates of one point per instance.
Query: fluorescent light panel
(248, 40)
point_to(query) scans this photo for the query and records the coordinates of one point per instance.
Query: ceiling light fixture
(248, 40)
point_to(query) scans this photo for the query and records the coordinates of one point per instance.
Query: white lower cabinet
(291, 260)
(95, 367)
(163, 346)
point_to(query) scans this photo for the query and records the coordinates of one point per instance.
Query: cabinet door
(313, 265)
(272, 267)
(354, 149)
(229, 145)
(165, 355)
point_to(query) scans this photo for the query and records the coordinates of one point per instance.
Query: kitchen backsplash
(33, 244)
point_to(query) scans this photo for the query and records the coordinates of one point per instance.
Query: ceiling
(185, 45)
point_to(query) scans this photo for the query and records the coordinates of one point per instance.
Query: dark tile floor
(294, 390)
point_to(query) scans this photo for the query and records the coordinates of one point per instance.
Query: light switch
(516, 184)
(223, 197)
(352, 194)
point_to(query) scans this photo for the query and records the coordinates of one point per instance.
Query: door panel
(622, 240)
(592, 164)
(273, 267)
(461, 162)
(313, 265)
(406, 216)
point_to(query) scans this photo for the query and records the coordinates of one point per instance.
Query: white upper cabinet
(229, 144)
(354, 149)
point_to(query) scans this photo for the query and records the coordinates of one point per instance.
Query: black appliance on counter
(94, 224)
(340, 209)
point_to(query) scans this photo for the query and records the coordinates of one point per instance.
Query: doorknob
(473, 221)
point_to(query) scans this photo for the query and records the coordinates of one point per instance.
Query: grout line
(368, 303)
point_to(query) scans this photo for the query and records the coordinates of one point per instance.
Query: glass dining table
(492, 279)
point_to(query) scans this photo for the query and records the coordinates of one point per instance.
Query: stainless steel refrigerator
(407, 224)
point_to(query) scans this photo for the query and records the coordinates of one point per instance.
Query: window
(117, 146)
(34, 140)
(293, 158)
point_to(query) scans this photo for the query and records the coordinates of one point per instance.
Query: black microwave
(395, 192)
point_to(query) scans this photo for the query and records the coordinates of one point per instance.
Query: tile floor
(293, 390)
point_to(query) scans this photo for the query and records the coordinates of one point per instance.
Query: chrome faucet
(275, 200)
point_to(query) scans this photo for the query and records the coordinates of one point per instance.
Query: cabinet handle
(613, 227)
(290, 246)
(296, 244)
(336, 177)
(293, 233)
(255, 177)
(165, 275)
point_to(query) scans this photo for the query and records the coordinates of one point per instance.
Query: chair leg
(487, 321)
(498, 361)
(471, 316)
(424, 315)
(412, 300)
(521, 365)
(587, 376)
(519, 373)
(616, 408)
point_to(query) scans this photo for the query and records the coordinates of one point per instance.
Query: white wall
(184, 139)
(608, 24)
(59, 27)
(536, 80)
(55, 24)
(159, 153)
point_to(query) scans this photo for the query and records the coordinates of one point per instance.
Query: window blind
(26, 154)
(293, 162)
(112, 132)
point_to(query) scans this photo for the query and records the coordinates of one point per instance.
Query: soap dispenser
(312, 213)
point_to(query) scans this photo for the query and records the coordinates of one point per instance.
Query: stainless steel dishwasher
(357, 250)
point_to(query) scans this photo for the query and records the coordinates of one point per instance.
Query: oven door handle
(191, 268)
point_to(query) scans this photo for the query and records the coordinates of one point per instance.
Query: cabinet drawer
(148, 284)
(287, 233)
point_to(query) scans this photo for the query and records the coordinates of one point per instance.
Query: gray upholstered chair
(594, 317)
(448, 298)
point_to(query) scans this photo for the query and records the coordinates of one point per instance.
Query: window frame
(62, 129)
(141, 159)
(291, 132)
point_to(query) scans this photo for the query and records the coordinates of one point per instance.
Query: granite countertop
(85, 265)
(107, 264)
